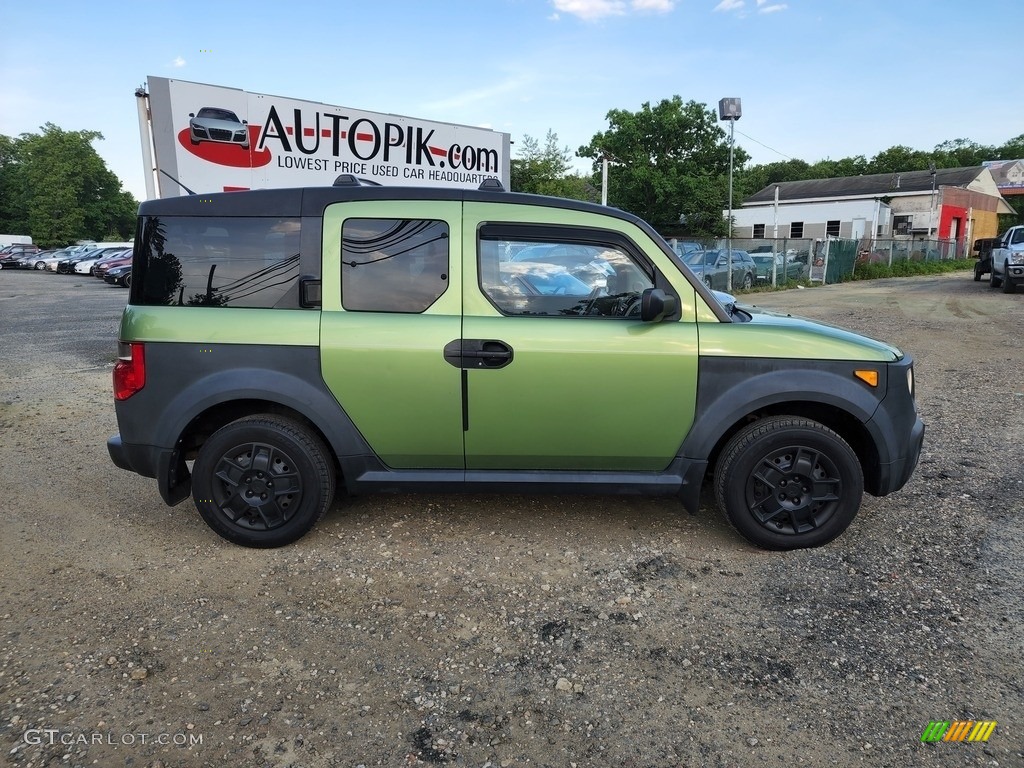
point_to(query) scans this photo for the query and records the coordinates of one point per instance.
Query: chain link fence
(832, 260)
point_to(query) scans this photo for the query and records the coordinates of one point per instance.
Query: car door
(391, 303)
(562, 377)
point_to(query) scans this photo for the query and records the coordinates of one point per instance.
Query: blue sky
(818, 78)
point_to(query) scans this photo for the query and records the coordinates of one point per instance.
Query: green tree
(961, 153)
(545, 171)
(672, 164)
(900, 158)
(58, 189)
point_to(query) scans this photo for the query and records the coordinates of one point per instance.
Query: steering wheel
(629, 306)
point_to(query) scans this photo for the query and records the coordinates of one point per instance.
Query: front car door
(560, 372)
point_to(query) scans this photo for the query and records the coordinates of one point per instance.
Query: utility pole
(729, 109)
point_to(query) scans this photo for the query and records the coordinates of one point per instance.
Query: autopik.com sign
(212, 139)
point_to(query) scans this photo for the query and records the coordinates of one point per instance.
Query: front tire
(993, 280)
(748, 281)
(263, 481)
(977, 273)
(1008, 285)
(787, 483)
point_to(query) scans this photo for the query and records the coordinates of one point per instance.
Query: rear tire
(786, 483)
(263, 481)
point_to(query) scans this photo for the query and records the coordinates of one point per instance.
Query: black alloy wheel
(263, 481)
(787, 483)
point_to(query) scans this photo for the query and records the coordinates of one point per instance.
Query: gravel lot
(507, 630)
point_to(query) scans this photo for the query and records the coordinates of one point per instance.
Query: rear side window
(393, 265)
(228, 261)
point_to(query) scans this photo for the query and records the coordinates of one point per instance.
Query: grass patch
(874, 272)
(910, 268)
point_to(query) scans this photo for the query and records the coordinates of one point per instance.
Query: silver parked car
(712, 267)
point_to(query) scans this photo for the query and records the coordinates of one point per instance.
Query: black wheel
(262, 481)
(747, 281)
(126, 281)
(786, 483)
(993, 281)
(707, 282)
(977, 273)
(1008, 285)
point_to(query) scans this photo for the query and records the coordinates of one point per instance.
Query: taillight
(130, 369)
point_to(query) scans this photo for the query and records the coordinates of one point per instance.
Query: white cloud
(658, 6)
(178, 62)
(472, 99)
(730, 5)
(762, 8)
(589, 10)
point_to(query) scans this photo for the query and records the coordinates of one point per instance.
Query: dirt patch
(510, 630)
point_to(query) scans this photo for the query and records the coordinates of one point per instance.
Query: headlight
(1017, 257)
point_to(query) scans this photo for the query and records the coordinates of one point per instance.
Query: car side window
(217, 261)
(393, 265)
(1017, 236)
(530, 276)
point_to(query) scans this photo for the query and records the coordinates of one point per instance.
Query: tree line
(670, 166)
(56, 188)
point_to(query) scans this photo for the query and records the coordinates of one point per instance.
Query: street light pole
(729, 109)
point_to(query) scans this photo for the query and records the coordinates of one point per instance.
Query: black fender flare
(730, 389)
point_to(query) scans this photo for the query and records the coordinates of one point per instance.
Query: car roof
(311, 201)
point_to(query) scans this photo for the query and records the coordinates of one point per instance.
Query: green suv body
(282, 345)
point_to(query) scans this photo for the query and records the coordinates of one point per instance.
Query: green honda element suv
(284, 346)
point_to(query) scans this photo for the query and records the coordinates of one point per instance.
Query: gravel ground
(507, 630)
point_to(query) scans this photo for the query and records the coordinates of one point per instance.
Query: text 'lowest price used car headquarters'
(282, 346)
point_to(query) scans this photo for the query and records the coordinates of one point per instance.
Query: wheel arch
(728, 401)
(209, 403)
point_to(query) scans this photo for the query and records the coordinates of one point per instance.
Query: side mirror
(191, 114)
(655, 305)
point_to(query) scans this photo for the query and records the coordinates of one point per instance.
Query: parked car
(686, 247)
(785, 269)
(119, 276)
(375, 347)
(712, 267)
(104, 265)
(1007, 268)
(983, 247)
(87, 258)
(44, 262)
(10, 254)
(218, 125)
(29, 260)
(113, 257)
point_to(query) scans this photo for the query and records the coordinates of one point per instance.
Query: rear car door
(391, 303)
